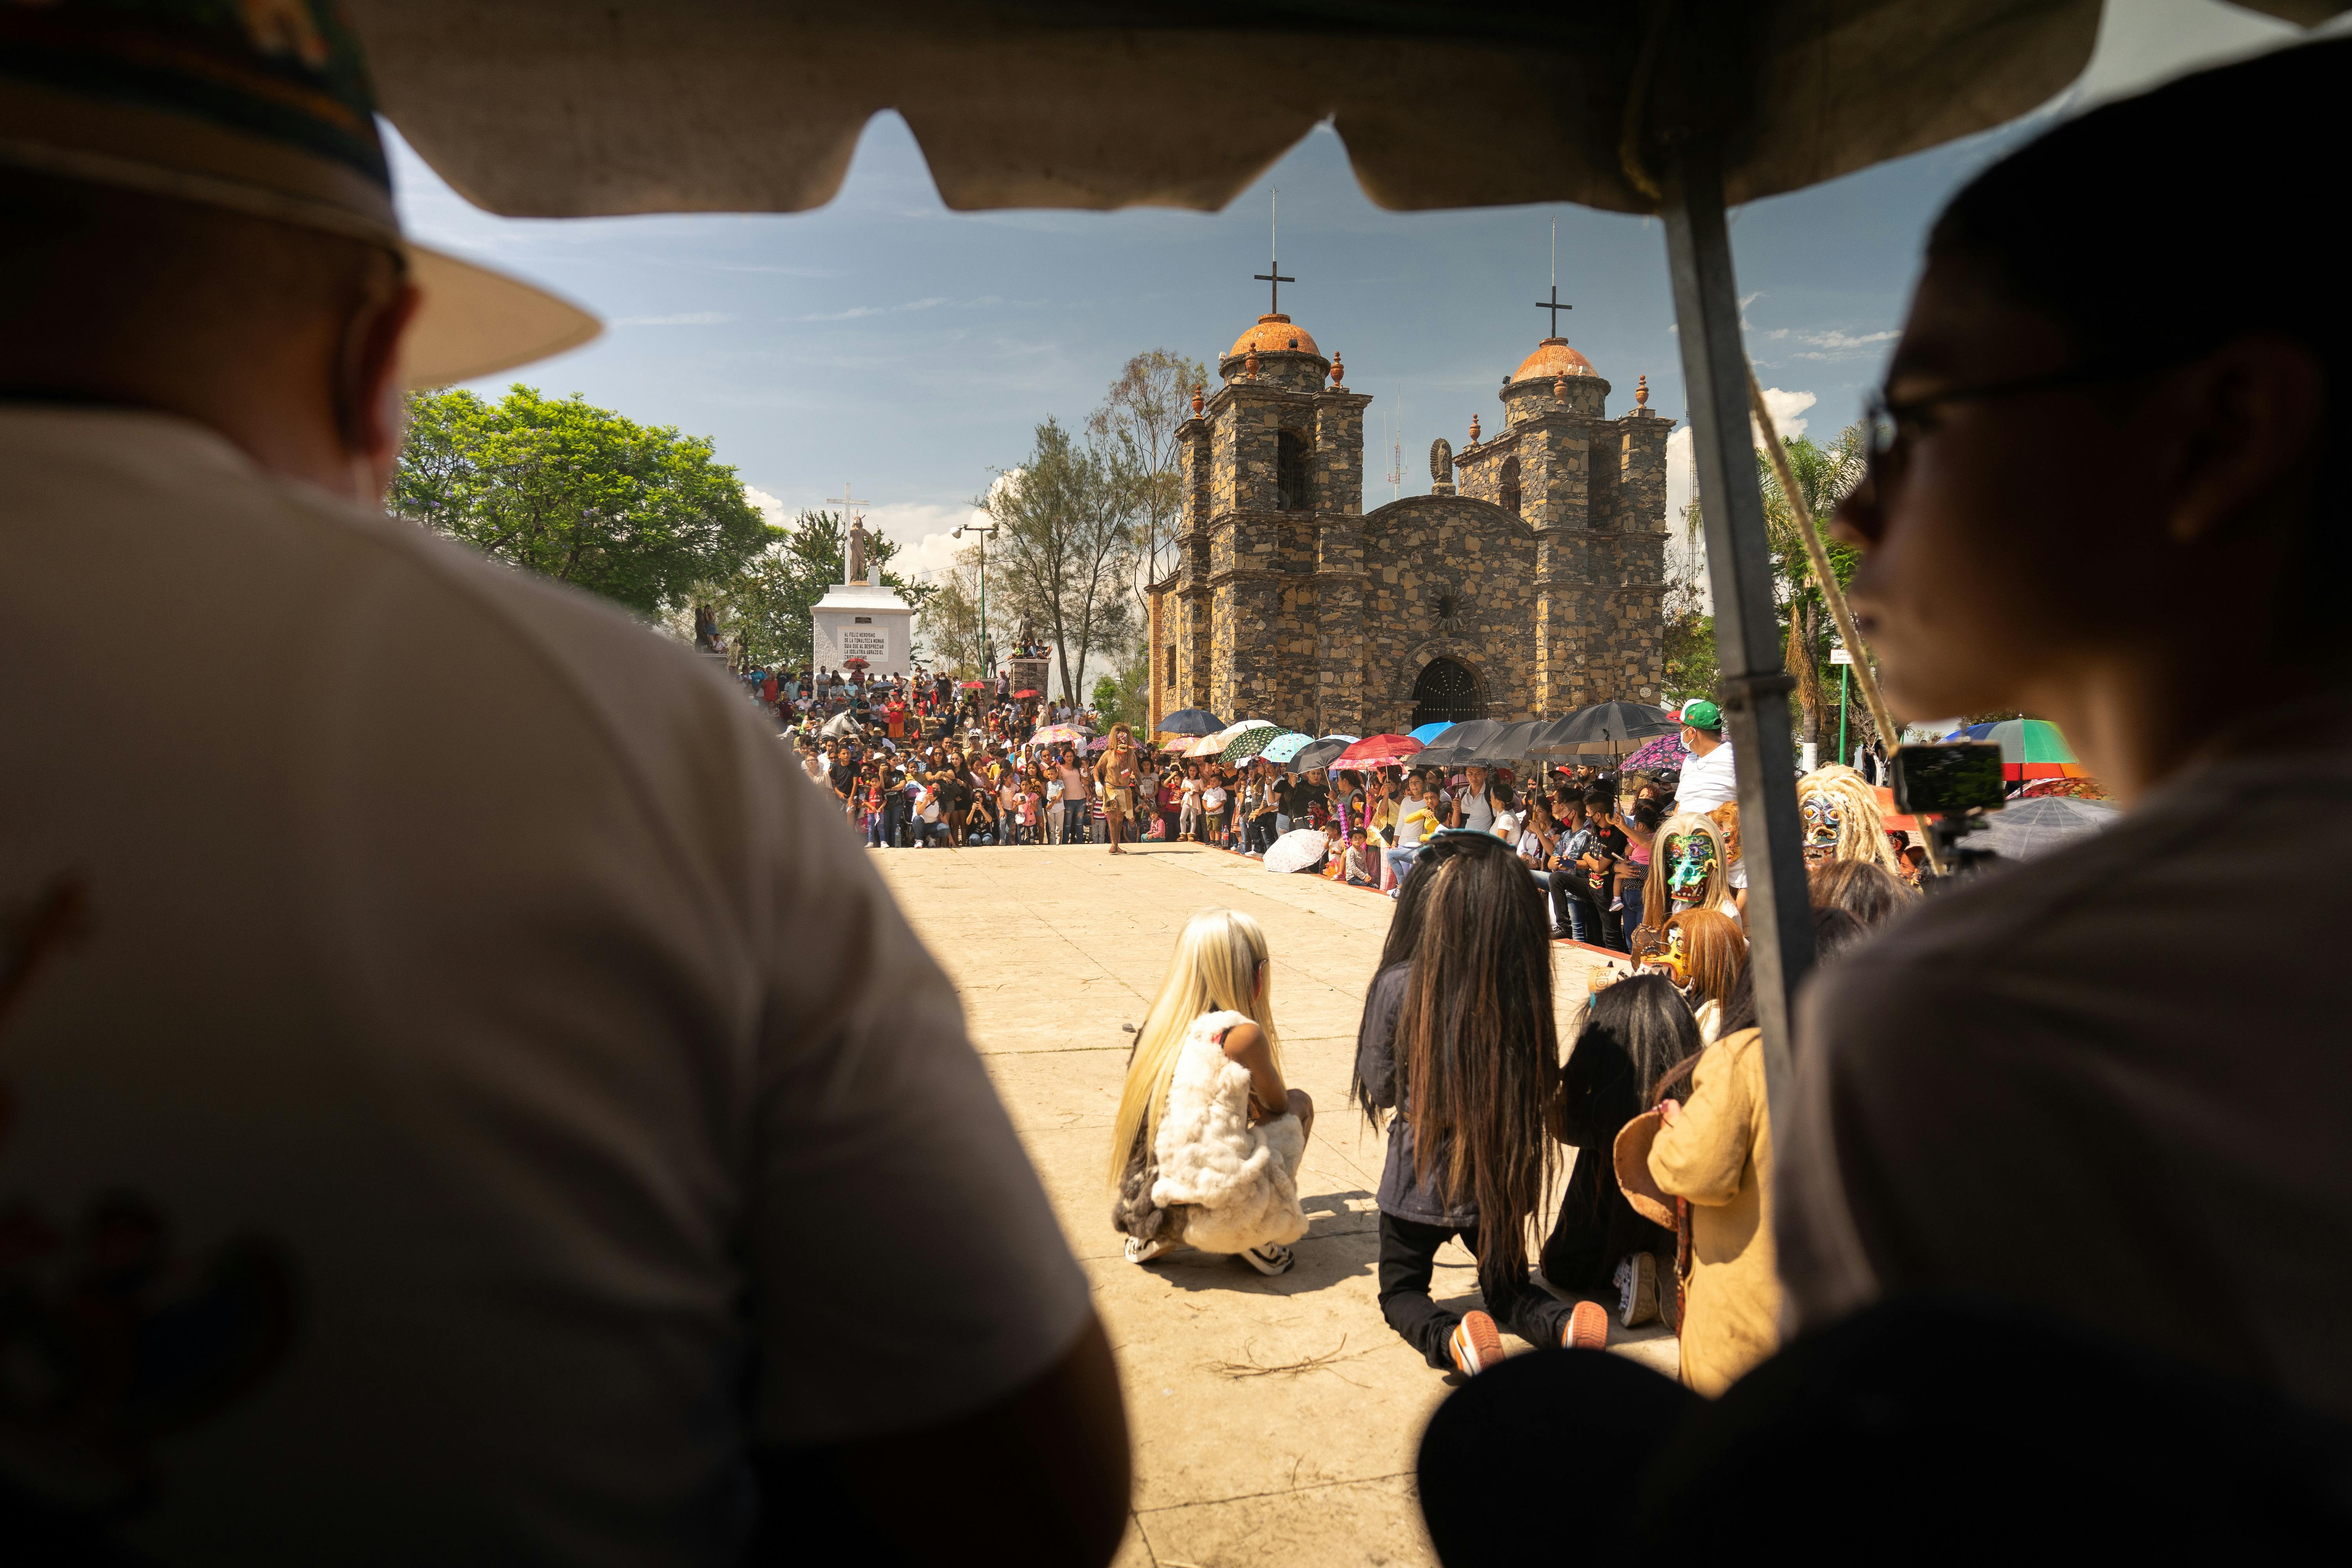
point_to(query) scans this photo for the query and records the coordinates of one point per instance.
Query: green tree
(1823, 474)
(1124, 695)
(950, 617)
(1139, 416)
(767, 603)
(1066, 542)
(639, 514)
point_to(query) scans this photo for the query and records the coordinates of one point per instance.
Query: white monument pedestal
(867, 620)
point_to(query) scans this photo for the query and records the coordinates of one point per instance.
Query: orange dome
(1553, 358)
(1274, 334)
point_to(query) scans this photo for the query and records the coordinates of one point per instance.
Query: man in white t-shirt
(1707, 779)
(1471, 808)
(501, 1120)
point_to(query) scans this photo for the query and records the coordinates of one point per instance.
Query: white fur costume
(1242, 1181)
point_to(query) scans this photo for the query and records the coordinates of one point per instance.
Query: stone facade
(1542, 579)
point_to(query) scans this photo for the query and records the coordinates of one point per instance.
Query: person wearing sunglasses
(2088, 503)
(2061, 1209)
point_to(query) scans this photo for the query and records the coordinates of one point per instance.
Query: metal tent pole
(1740, 570)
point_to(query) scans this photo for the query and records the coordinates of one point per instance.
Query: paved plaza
(1274, 1419)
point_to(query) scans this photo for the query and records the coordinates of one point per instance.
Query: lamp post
(984, 531)
(1844, 661)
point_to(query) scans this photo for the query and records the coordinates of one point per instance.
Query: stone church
(1527, 588)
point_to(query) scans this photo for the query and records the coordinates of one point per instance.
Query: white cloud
(770, 507)
(928, 302)
(1788, 409)
(924, 533)
(1837, 340)
(689, 319)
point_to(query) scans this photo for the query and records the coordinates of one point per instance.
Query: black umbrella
(1321, 754)
(1509, 744)
(1190, 722)
(1603, 727)
(1451, 746)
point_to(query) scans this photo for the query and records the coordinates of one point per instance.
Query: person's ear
(378, 410)
(2249, 415)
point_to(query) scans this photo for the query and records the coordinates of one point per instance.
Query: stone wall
(1322, 619)
(1414, 551)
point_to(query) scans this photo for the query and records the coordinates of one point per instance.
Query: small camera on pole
(1949, 787)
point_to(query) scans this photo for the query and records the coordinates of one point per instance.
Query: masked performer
(1704, 952)
(1689, 869)
(1842, 819)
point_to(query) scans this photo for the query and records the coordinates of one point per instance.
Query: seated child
(1632, 1037)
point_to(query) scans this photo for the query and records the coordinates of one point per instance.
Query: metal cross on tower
(1272, 277)
(1553, 304)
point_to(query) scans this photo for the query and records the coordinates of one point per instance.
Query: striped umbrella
(1286, 746)
(2029, 749)
(1249, 743)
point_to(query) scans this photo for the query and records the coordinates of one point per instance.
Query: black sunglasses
(1886, 424)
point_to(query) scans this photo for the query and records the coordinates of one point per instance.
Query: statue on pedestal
(858, 538)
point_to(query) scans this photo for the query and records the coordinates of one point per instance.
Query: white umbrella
(1300, 850)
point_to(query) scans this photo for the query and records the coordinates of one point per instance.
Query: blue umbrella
(1284, 746)
(1425, 733)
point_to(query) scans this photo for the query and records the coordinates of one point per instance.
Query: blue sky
(887, 342)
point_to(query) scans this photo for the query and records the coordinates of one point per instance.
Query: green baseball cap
(1703, 715)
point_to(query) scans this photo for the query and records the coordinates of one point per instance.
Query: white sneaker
(1272, 1258)
(1637, 1288)
(1141, 1251)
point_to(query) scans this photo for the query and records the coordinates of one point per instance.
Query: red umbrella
(974, 685)
(1025, 694)
(1377, 752)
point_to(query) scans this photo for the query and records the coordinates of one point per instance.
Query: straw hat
(262, 108)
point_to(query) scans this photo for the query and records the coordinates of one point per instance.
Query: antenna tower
(1396, 448)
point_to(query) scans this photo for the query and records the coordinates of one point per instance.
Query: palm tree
(1823, 476)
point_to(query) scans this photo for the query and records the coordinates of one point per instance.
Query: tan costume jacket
(1719, 1154)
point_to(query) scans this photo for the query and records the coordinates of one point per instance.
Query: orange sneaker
(1475, 1344)
(1587, 1328)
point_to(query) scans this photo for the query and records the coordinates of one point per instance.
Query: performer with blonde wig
(1842, 819)
(1206, 1144)
(1704, 953)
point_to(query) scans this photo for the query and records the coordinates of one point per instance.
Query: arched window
(1294, 490)
(1510, 496)
(1447, 693)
